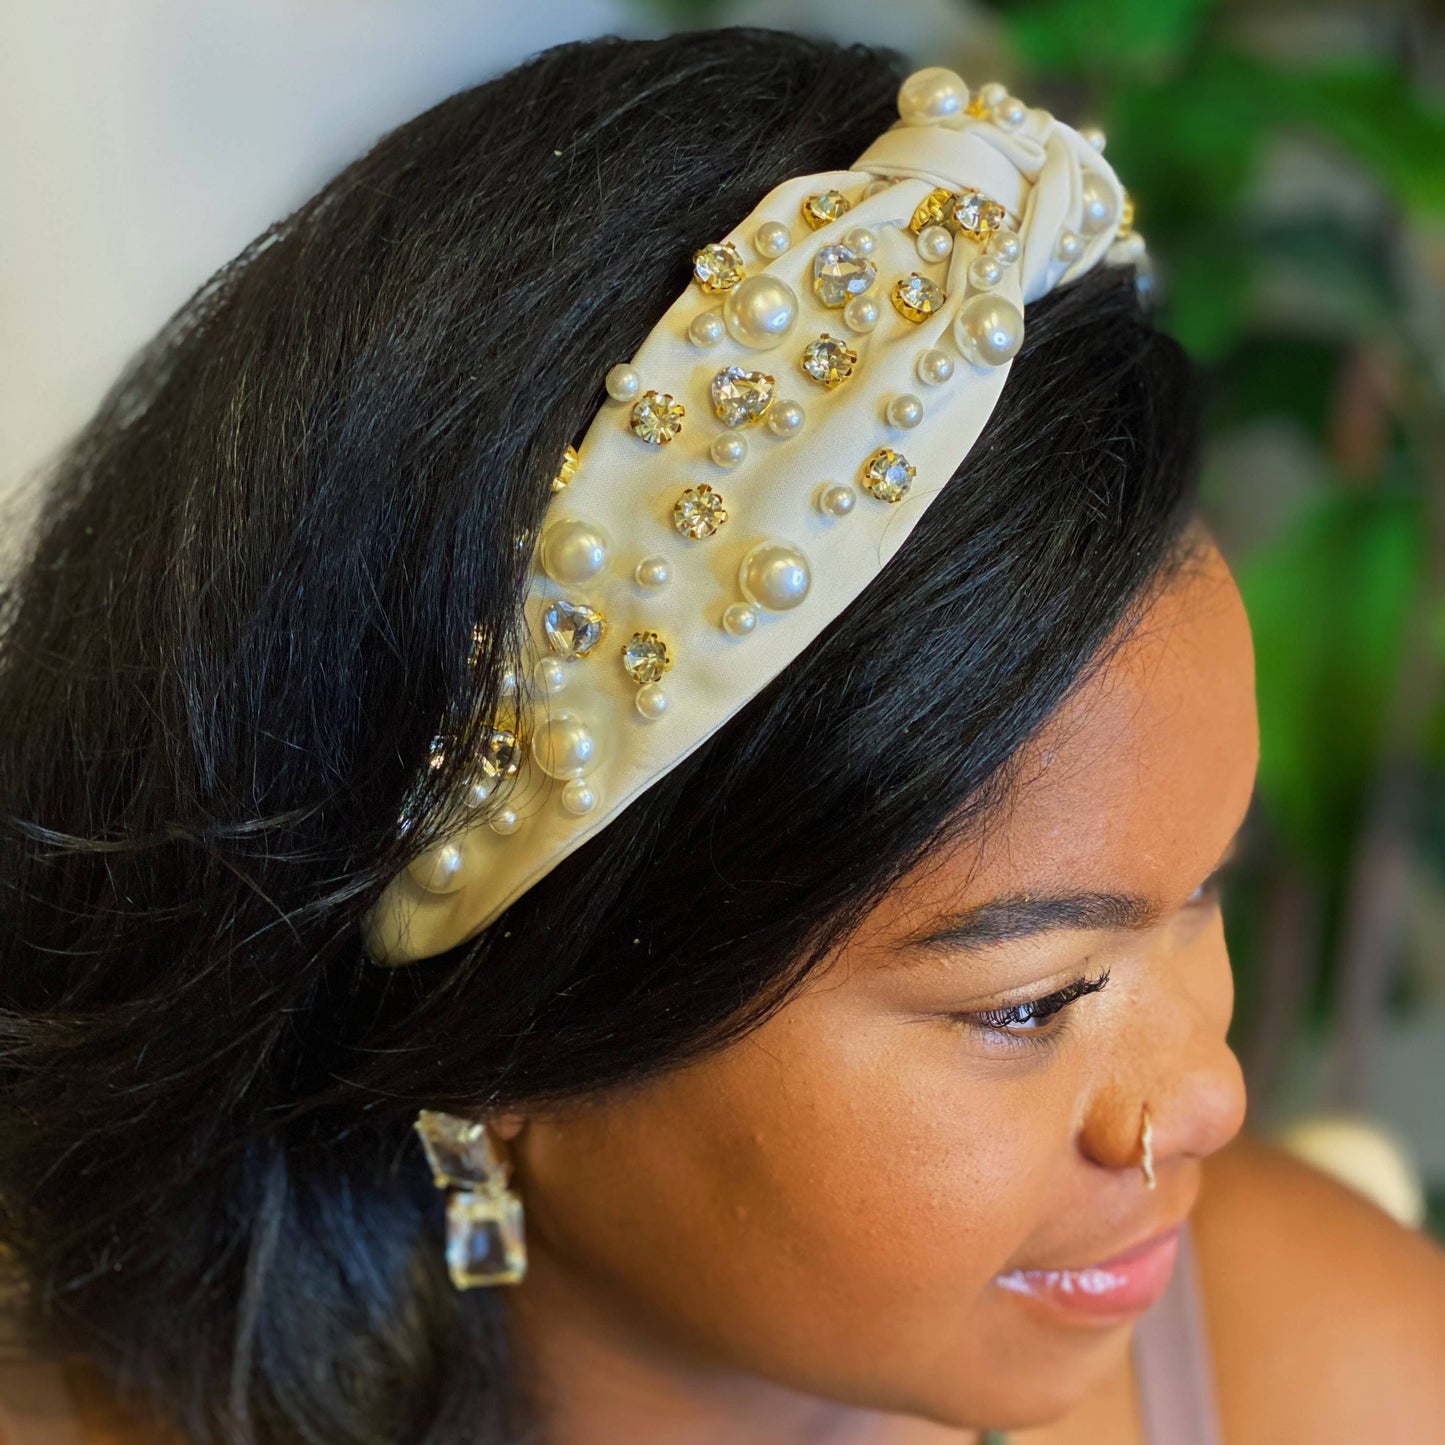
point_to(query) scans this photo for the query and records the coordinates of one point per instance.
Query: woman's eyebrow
(1023, 915)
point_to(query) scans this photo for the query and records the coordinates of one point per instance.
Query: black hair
(246, 607)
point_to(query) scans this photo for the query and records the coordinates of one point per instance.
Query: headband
(768, 449)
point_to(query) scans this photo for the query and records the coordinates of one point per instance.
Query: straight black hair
(243, 617)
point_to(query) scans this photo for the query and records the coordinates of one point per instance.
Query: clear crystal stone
(829, 361)
(888, 475)
(645, 657)
(501, 754)
(976, 215)
(741, 397)
(485, 1243)
(573, 628)
(657, 417)
(827, 206)
(916, 296)
(718, 266)
(840, 274)
(460, 1151)
(698, 512)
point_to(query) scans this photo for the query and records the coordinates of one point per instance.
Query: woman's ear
(506, 1126)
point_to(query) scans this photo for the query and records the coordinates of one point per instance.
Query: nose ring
(1146, 1150)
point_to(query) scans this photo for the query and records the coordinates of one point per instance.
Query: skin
(801, 1235)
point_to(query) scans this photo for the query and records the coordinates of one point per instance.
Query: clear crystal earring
(485, 1243)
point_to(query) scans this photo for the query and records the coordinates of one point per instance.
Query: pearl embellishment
(1093, 135)
(934, 243)
(506, 821)
(439, 870)
(934, 367)
(623, 383)
(993, 94)
(1010, 113)
(550, 676)
(653, 572)
(760, 311)
(932, 96)
(1100, 207)
(984, 273)
(785, 418)
(861, 241)
(837, 499)
(774, 575)
(772, 238)
(729, 449)
(573, 551)
(579, 796)
(904, 412)
(563, 746)
(1005, 247)
(651, 700)
(706, 329)
(989, 330)
(739, 619)
(1069, 247)
(861, 314)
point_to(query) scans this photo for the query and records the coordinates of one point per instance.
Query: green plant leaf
(1109, 36)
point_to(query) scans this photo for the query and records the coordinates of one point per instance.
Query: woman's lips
(1105, 1293)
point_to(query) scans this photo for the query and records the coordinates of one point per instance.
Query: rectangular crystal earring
(485, 1242)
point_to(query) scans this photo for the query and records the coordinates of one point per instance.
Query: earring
(485, 1243)
(1146, 1150)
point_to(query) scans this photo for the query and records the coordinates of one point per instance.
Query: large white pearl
(774, 575)
(653, 572)
(739, 619)
(550, 676)
(1005, 247)
(772, 238)
(506, 821)
(934, 243)
(439, 870)
(760, 311)
(934, 367)
(861, 314)
(904, 411)
(989, 329)
(1010, 113)
(579, 796)
(1100, 207)
(984, 273)
(932, 96)
(729, 449)
(706, 329)
(563, 746)
(861, 240)
(1069, 247)
(573, 551)
(623, 383)
(786, 418)
(836, 499)
(651, 700)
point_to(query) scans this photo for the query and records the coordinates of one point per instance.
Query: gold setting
(933, 210)
(824, 208)
(698, 512)
(828, 361)
(657, 417)
(645, 656)
(567, 470)
(916, 298)
(717, 266)
(888, 475)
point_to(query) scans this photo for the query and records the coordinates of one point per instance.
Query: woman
(865, 1077)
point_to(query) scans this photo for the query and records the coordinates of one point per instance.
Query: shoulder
(1326, 1318)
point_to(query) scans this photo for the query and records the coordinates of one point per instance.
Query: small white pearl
(706, 328)
(1005, 247)
(785, 418)
(874, 187)
(760, 311)
(989, 329)
(934, 367)
(563, 746)
(651, 700)
(729, 449)
(992, 94)
(904, 411)
(774, 575)
(836, 499)
(623, 383)
(984, 273)
(1069, 247)
(1100, 207)
(506, 821)
(1010, 113)
(739, 619)
(931, 96)
(573, 551)
(550, 676)
(1093, 135)
(653, 572)
(579, 796)
(861, 314)
(934, 243)
(861, 240)
(439, 870)
(478, 791)
(772, 238)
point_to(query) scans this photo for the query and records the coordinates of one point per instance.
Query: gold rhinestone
(717, 267)
(656, 417)
(1126, 217)
(888, 475)
(567, 470)
(698, 512)
(645, 657)
(827, 206)
(932, 210)
(976, 108)
(976, 215)
(916, 297)
(828, 361)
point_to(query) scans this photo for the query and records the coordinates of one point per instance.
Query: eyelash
(1050, 1009)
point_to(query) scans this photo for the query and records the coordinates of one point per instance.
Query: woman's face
(857, 1200)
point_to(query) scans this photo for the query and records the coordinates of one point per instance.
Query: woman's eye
(1034, 1017)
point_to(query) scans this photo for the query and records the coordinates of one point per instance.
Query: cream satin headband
(767, 450)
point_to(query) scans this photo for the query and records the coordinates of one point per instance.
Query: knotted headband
(768, 449)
